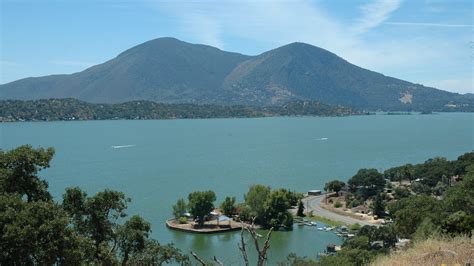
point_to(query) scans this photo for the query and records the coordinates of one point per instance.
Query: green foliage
(228, 206)
(276, 213)
(463, 163)
(425, 230)
(420, 188)
(379, 206)
(19, 172)
(293, 260)
(433, 170)
(292, 196)
(400, 173)
(353, 203)
(244, 212)
(183, 220)
(386, 234)
(355, 227)
(132, 237)
(180, 208)
(419, 216)
(156, 254)
(401, 192)
(201, 203)
(410, 212)
(255, 199)
(460, 197)
(37, 233)
(334, 186)
(324, 220)
(338, 204)
(367, 182)
(300, 211)
(359, 242)
(458, 223)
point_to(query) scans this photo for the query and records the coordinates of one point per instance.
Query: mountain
(171, 71)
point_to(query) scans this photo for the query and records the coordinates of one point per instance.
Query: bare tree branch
(242, 246)
(203, 263)
(218, 261)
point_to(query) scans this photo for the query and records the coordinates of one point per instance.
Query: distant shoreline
(75, 110)
(50, 110)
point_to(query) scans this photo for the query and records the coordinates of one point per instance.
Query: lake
(157, 162)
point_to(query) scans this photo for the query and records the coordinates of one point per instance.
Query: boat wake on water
(322, 139)
(122, 146)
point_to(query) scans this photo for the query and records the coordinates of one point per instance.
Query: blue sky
(424, 41)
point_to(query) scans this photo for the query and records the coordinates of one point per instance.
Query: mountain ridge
(172, 71)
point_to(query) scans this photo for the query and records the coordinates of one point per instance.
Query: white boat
(320, 229)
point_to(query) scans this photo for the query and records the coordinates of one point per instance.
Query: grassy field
(442, 251)
(324, 220)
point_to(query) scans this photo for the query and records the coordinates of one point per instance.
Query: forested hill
(172, 71)
(72, 109)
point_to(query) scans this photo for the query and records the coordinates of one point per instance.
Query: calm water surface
(170, 158)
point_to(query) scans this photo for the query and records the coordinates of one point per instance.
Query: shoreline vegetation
(72, 109)
(325, 220)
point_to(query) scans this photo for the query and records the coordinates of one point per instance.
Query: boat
(320, 229)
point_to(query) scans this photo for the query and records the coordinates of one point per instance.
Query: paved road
(312, 203)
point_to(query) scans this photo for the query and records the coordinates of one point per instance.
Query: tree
(458, 223)
(401, 192)
(433, 170)
(386, 234)
(228, 206)
(37, 233)
(132, 237)
(334, 185)
(179, 209)
(367, 182)
(400, 173)
(460, 197)
(74, 202)
(255, 198)
(156, 254)
(379, 206)
(201, 203)
(420, 188)
(276, 213)
(300, 211)
(410, 212)
(97, 217)
(19, 172)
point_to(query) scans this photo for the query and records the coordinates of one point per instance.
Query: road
(312, 203)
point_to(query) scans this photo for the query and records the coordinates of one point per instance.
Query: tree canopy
(367, 182)
(201, 203)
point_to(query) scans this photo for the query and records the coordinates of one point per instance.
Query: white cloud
(375, 13)
(444, 25)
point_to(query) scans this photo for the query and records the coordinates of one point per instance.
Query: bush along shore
(72, 109)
